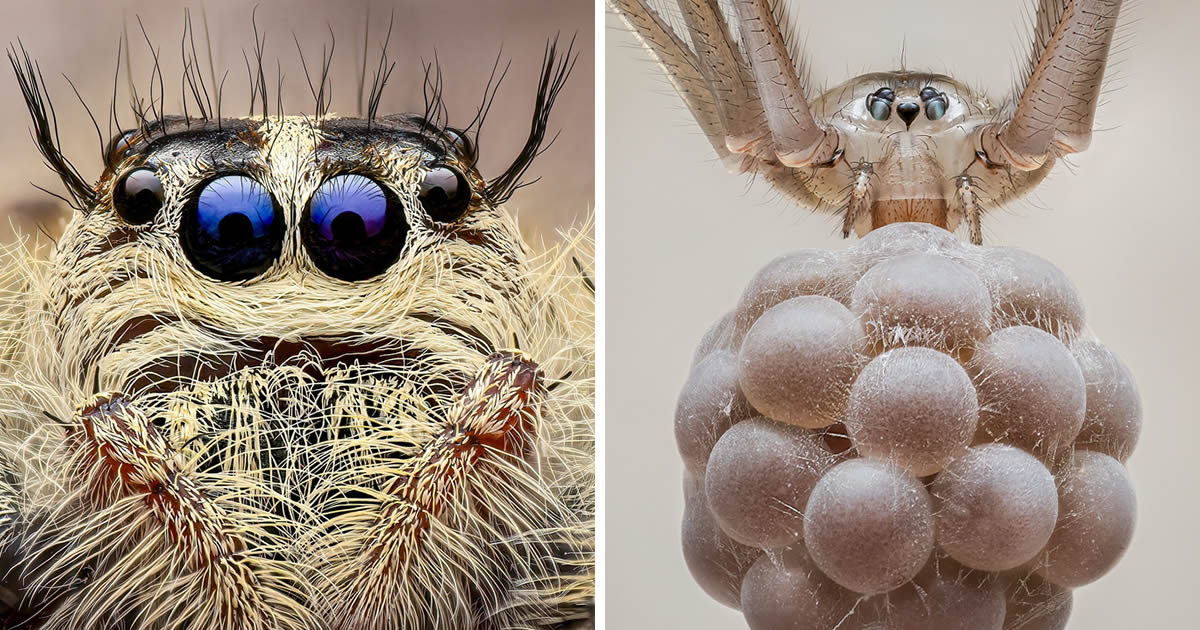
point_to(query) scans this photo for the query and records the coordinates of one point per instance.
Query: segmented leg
(1057, 108)
(190, 564)
(681, 67)
(409, 569)
(968, 204)
(859, 203)
(797, 138)
(728, 78)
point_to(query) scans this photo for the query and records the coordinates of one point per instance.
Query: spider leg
(680, 65)
(1057, 107)
(798, 140)
(404, 572)
(170, 530)
(728, 78)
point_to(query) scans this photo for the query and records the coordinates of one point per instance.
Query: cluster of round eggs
(911, 434)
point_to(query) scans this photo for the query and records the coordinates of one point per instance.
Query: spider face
(211, 187)
(282, 230)
(884, 147)
(906, 141)
(907, 103)
(297, 372)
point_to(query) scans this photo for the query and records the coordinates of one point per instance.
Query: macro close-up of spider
(587, 314)
(883, 147)
(285, 367)
(924, 302)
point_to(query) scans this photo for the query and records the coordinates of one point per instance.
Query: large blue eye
(354, 228)
(233, 230)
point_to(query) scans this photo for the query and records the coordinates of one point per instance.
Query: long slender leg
(728, 77)
(1057, 108)
(681, 67)
(797, 138)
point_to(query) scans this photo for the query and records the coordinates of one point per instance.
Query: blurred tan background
(79, 39)
(684, 238)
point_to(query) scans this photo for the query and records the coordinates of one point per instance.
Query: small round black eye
(138, 196)
(880, 108)
(462, 144)
(445, 194)
(354, 228)
(879, 103)
(118, 147)
(928, 93)
(935, 108)
(233, 230)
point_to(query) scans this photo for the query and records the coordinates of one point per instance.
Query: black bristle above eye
(555, 70)
(202, 103)
(45, 129)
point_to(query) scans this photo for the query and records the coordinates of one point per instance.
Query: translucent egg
(784, 591)
(1028, 290)
(710, 403)
(805, 272)
(1113, 418)
(798, 360)
(718, 337)
(915, 407)
(996, 507)
(1096, 515)
(923, 300)
(945, 596)
(1034, 604)
(759, 477)
(898, 239)
(1031, 392)
(716, 561)
(869, 525)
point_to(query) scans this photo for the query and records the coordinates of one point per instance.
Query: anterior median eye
(233, 230)
(353, 228)
(138, 196)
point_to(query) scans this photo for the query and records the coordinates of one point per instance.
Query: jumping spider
(295, 372)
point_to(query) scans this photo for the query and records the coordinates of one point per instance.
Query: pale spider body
(883, 147)
(296, 372)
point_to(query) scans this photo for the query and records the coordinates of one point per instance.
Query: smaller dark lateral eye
(935, 108)
(462, 144)
(138, 196)
(445, 194)
(879, 103)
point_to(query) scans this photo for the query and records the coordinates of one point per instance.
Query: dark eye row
(233, 229)
(879, 103)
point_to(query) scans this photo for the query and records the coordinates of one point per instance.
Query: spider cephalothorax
(296, 372)
(882, 147)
